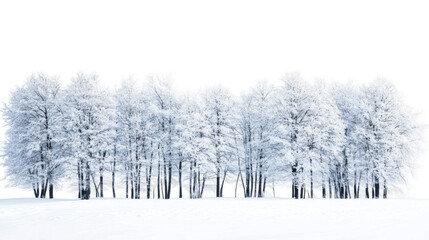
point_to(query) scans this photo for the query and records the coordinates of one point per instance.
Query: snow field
(228, 218)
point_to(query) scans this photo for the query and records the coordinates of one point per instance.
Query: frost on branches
(327, 140)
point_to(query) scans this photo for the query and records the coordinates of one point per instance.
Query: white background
(233, 43)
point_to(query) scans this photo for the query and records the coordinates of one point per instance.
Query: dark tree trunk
(42, 190)
(247, 193)
(302, 191)
(101, 185)
(180, 179)
(384, 189)
(170, 170)
(295, 189)
(323, 192)
(126, 185)
(323, 186)
(218, 182)
(165, 180)
(366, 191)
(86, 189)
(113, 180)
(376, 187)
(260, 181)
(190, 180)
(132, 186)
(51, 191)
(148, 180)
(265, 184)
(113, 172)
(358, 188)
(137, 181)
(36, 190)
(46, 188)
(79, 180)
(311, 184)
(162, 192)
(159, 180)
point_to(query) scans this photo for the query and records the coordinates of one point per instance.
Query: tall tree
(389, 136)
(257, 128)
(164, 107)
(90, 129)
(33, 146)
(219, 114)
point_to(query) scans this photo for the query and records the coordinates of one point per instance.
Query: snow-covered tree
(389, 135)
(218, 111)
(136, 141)
(90, 130)
(33, 149)
(324, 135)
(164, 108)
(348, 99)
(257, 128)
(316, 135)
(195, 146)
(293, 115)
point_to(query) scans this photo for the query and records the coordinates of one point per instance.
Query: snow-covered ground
(228, 218)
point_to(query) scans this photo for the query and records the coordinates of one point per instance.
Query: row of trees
(330, 138)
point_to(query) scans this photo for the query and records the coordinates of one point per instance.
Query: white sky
(234, 43)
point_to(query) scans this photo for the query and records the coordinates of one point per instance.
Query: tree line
(339, 139)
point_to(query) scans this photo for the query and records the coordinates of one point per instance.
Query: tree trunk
(302, 191)
(113, 172)
(51, 191)
(218, 182)
(79, 182)
(86, 193)
(223, 181)
(36, 190)
(294, 182)
(190, 180)
(323, 186)
(366, 191)
(247, 193)
(385, 189)
(126, 184)
(42, 190)
(101, 185)
(95, 186)
(170, 170)
(202, 187)
(260, 181)
(236, 184)
(132, 186)
(265, 184)
(149, 176)
(113, 184)
(377, 186)
(323, 192)
(159, 179)
(180, 179)
(165, 180)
